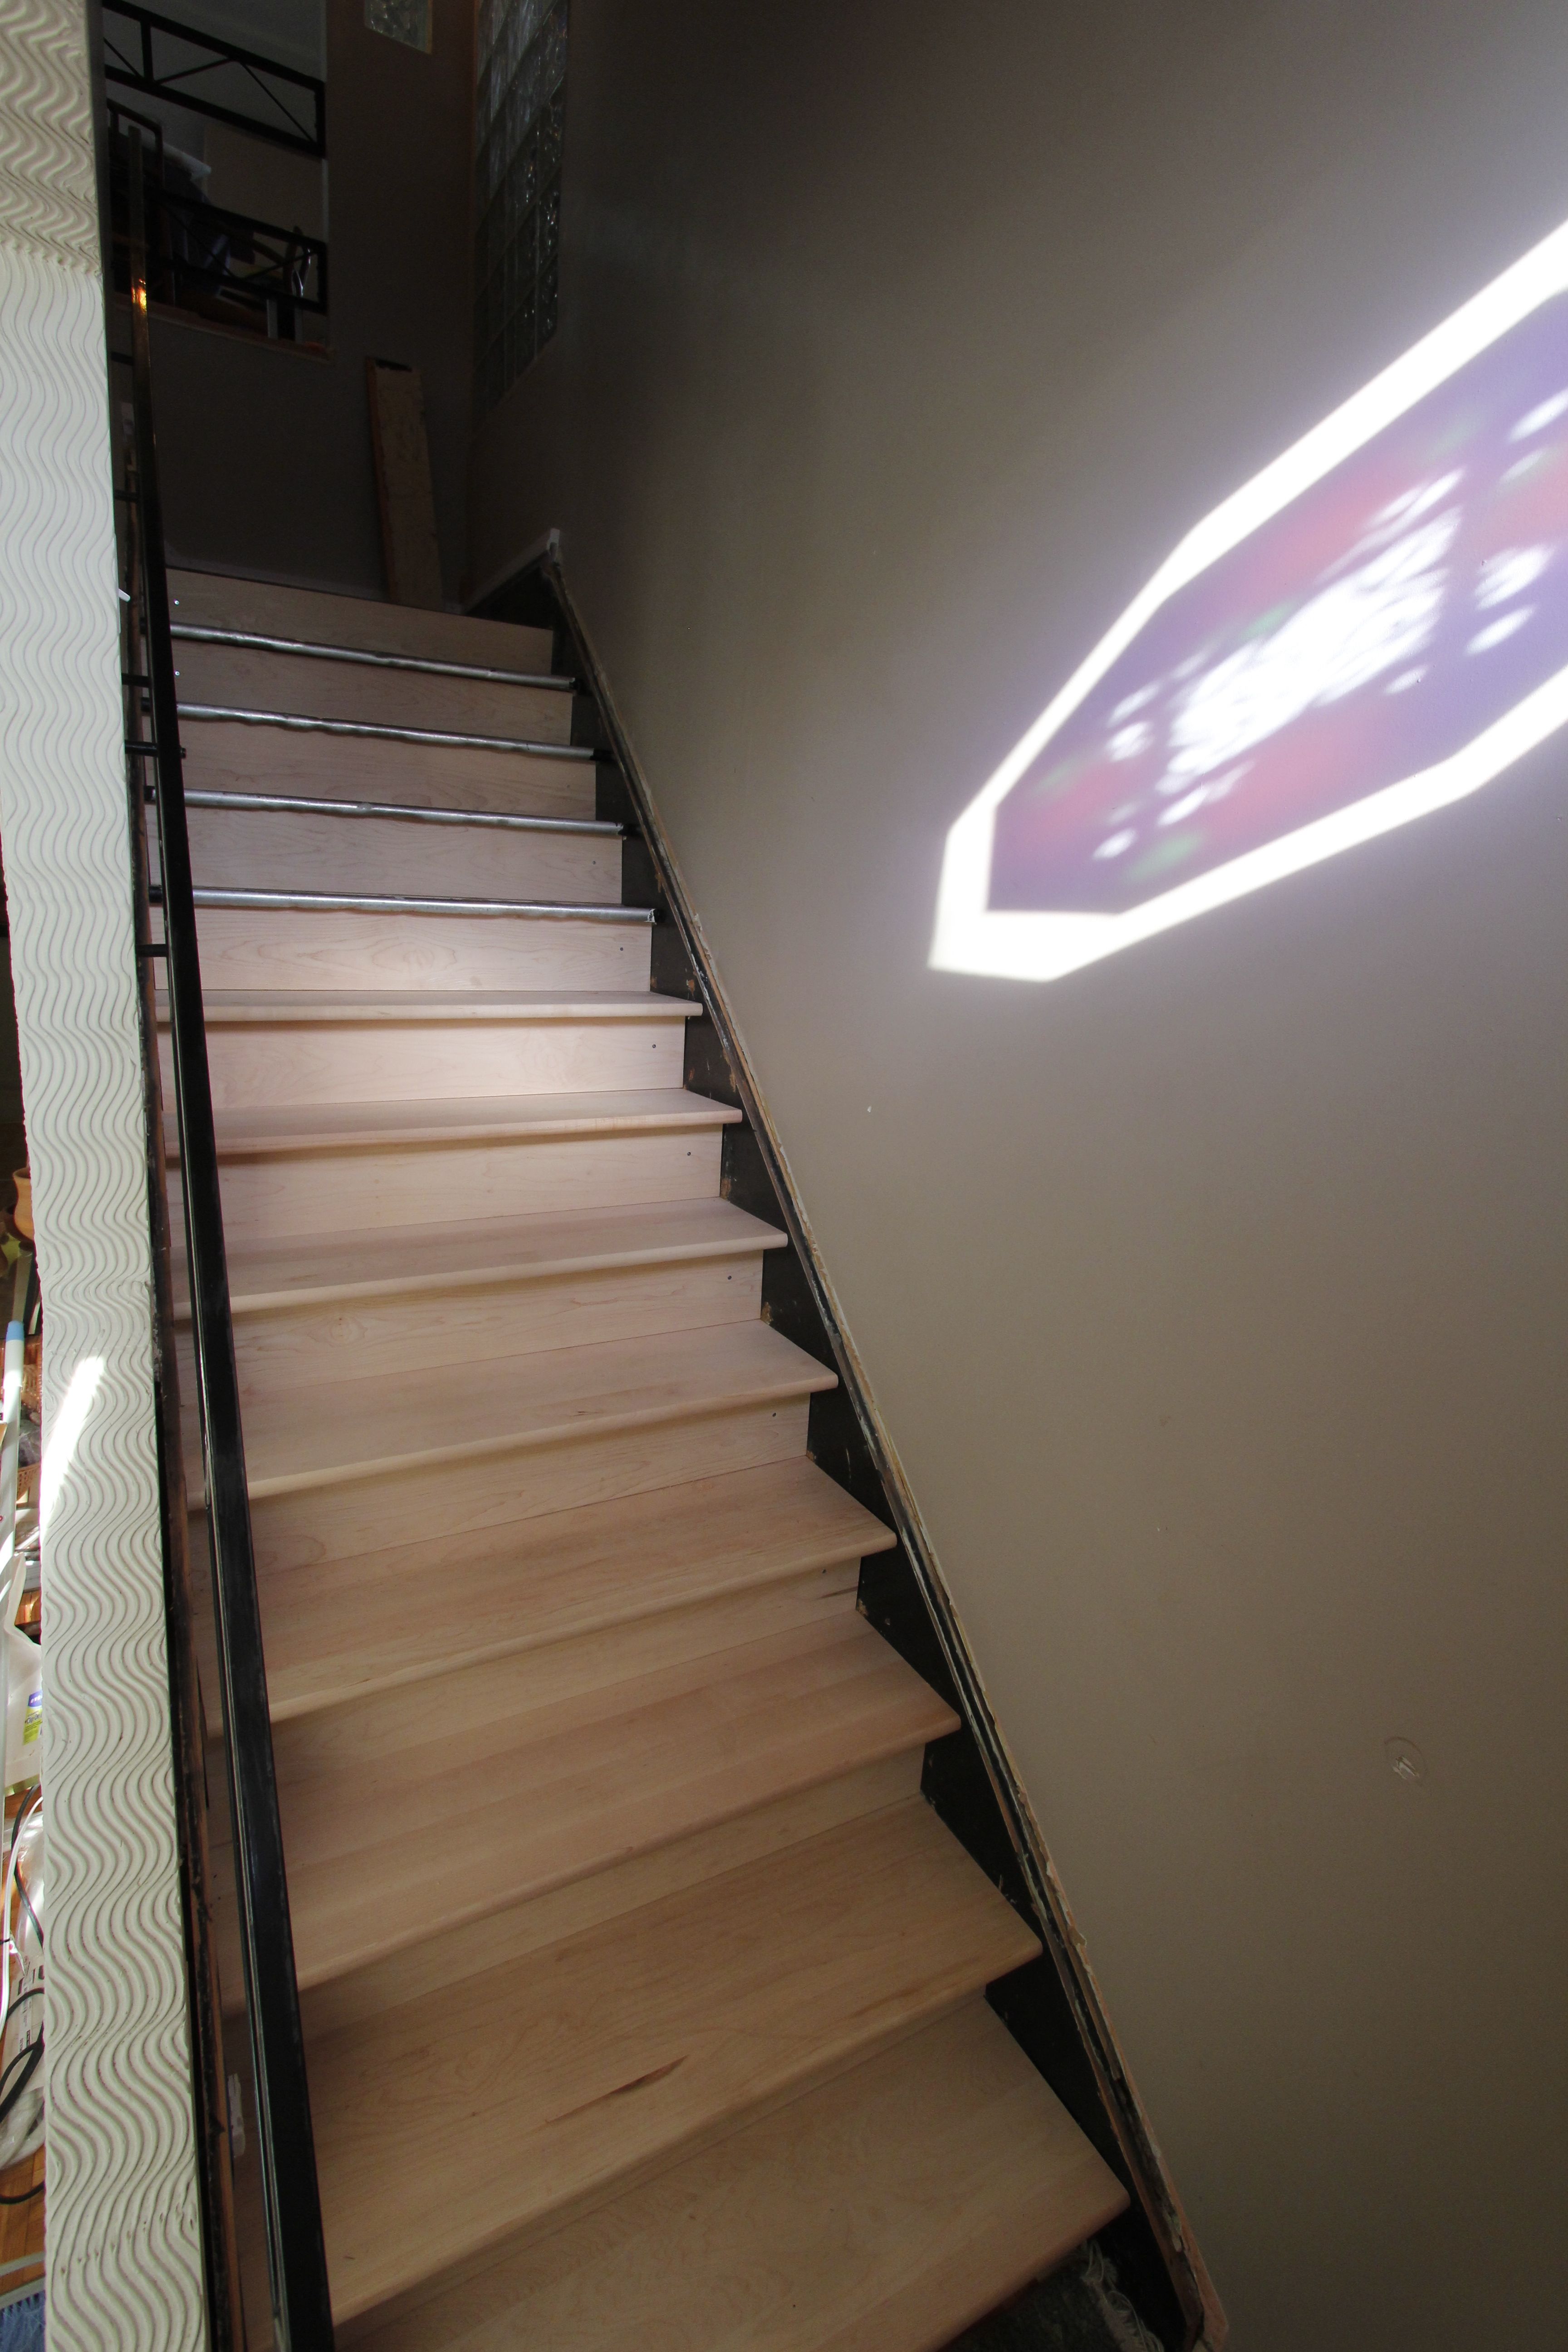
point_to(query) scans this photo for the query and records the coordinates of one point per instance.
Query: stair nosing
(250, 641)
(412, 1134)
(417, 1008)
(262, 1302)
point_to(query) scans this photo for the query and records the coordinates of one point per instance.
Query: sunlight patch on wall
(1375, 627)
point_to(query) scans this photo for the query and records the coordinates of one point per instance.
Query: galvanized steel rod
(289, 805)
(248, 640)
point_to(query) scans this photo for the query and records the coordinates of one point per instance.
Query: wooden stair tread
(385, 1834)
(248, 1007)
(621, 1929)
(364, 1623)
(539, 2087)
(291, 1127)
(362, 1429)
(395, 1260)
(885, 2211)
(218, 601)
(274, 677)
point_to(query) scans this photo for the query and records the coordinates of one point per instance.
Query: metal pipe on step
(387, 734)
(250, 641)
(294, 806)
(363, 903)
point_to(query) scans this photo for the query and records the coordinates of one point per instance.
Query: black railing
(206, 74)
(296, 2255)
(202, 258)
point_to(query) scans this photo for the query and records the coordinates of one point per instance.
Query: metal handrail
(296, 2252)
(140, 73)
(208, 257)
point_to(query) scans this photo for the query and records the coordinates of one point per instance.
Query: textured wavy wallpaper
(124, 2244)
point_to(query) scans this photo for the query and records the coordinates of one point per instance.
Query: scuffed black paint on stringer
(1034, 2002)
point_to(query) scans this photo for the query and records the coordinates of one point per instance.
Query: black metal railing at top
(221, 265)
(206, 74)
(296, 2255)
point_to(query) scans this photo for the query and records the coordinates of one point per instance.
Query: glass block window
(401, 20)
(518, 123)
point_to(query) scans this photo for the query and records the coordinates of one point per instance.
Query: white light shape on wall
(1361, 626)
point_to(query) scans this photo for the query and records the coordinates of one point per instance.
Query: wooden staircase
(643, 1991)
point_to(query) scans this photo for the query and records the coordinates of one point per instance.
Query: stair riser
(288, 1349)
(238, 679)
(442, 1502)
(287, 948)
(255, 1063)
(390, 1744)
(345, 1191)
(232, 756)
(275, 849)
(610, 1893)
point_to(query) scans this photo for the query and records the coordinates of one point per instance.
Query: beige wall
(266, 451)
(1214, 1296)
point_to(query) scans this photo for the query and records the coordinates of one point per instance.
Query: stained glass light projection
(1375, 627)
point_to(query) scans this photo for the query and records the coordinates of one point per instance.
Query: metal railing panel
(295, 2249)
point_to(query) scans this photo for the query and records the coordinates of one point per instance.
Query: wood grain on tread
(335, 1307)
(348, 1307)
(288, 947)
(321, 1269)
(302, 849)
(233, 755)
(270, 1130)
(319, 1061)
(212, 599)
(239, 1008)
(884, 2211)
(239, 677)
(488, 1788)
(362, 1187)
(448, 1497)
(371, 1621)
(401, 1419)
(538, 2088)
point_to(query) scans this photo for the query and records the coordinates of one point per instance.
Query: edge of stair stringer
(1205, 2326)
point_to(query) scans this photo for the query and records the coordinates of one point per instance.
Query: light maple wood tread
(217, 600)
(364, 1623)
(406, 1261)
(448, 2126)
(257, 677)
(450, 1808)
(243, 1008)
(885, 2211)
(260, 1131)
(399, 1420)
